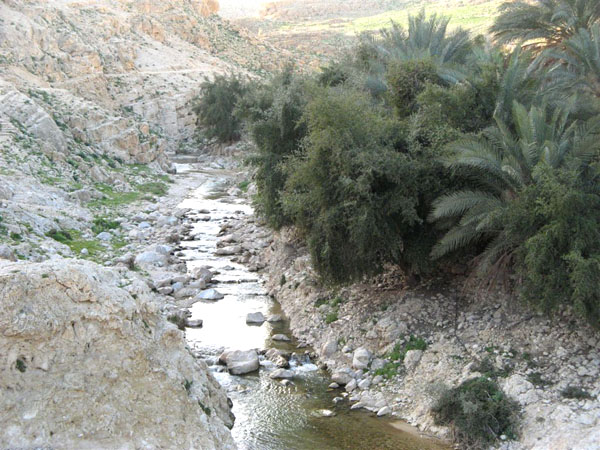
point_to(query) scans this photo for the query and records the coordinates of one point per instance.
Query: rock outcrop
(84, 364)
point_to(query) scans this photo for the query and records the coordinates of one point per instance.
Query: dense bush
(500, 150)
(478, 411)
(274, 115)
(215, 107)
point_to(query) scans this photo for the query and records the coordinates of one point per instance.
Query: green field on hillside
(473, 16)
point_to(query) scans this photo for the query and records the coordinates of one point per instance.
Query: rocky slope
(87, 364)
(94, 96)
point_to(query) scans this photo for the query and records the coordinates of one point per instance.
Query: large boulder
(239, 362)
(87, 365)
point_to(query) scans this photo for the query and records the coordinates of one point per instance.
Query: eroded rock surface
(84, 364)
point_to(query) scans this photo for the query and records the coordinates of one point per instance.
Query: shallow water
(269, 415)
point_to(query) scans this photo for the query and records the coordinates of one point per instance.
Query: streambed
(270, 414)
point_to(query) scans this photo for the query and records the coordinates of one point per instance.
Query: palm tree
(503, 163)
(577, 65)
(425, 39)
(544, 23)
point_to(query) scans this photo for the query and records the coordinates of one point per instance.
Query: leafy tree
(216, 105)
(544, 23)
(273, 112)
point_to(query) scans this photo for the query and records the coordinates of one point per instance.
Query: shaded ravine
(269, 414)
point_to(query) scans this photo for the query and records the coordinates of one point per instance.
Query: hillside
(317, 29)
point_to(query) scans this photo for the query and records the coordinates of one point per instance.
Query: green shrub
(177, 320)
(101, 224)
(478, 411)
(273, 113)
(215, 107)
(331, 317)
(406, 80)
(575, 392)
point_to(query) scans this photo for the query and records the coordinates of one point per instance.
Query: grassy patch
(399, 351)
(104, 224)
(112, 198)
(331, 317)
(243, 186)
(73, 239)
(388, 371)
(153, 187)
(478, 411)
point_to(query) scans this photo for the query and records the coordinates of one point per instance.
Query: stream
(270, 415)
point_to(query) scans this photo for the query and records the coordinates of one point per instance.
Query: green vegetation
(20, 365)
(177, 320)
(73, 239)
(478, 411)
(216, 105)
(331, 317)
(101, 224)
(399, 351)
(575, 392)
(425, 147)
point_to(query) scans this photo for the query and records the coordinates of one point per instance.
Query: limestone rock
(90, 366)
(210, 294)
(255, 318)
(282, 374)
(239, 362)
(412, 359)
(361, 359)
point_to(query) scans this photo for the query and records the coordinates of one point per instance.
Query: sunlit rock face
(85, 364)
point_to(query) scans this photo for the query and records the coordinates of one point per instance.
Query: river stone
(163, 282)
(202, 273)
(144, 225)
(275, 318)
(282, 374)
(384, 411)
(334, 386)
(239, 362)
(326, 413)
(361, 358)
(195, 323)
(210, 294)
(364, 384)
(412, 359)
(229, 251)
(341, 377)
(255, 318)
(351, 385)
(280, 337)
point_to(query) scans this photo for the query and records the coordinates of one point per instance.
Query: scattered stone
(326, 413)
(255, 318)
(104, 236)
(412, 359)
(210, 294)
(351, 385)
(282, 374)
(280, 337)
(329, 348)
(84, 252)
(341, 377)
(334, 386)
(275, 318)
(195, 323)
(229, 251)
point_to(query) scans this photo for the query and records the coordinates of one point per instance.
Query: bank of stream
(270, 414)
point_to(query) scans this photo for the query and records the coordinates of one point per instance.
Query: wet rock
(341, 377)
(194, 323)
(384, 411)
(351, 385)
(334, 386)
(280, 337)
(202, 273)
(255, 318)
(361, 358)
(229, 251)
(210, 294)
(282, 374)
(273, 318)
(326, 413)
(239, 362)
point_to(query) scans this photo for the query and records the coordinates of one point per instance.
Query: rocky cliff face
(86, 364)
